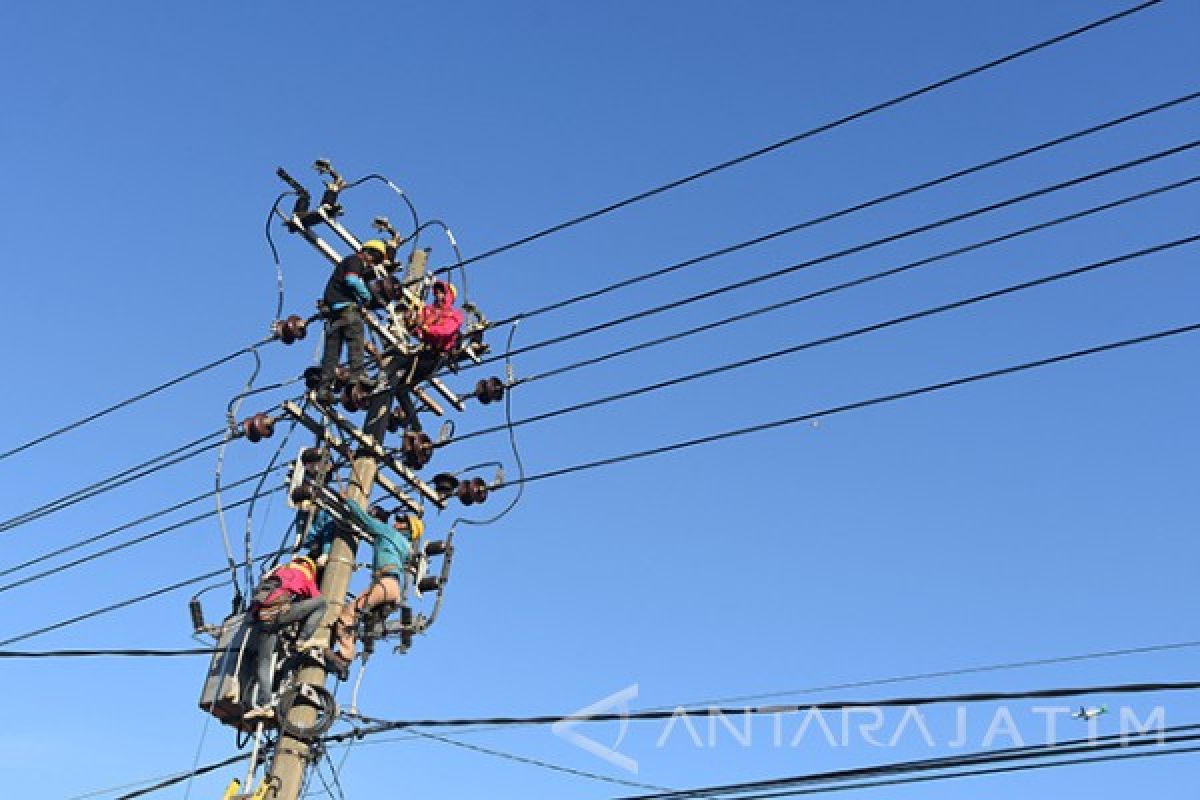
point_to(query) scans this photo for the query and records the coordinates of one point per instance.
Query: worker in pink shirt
(437, 325)
(285, 595)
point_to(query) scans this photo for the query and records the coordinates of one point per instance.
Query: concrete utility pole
(293, 756)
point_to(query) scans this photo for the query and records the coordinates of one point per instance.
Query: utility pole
(294, 756)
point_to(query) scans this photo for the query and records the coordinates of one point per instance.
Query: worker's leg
(263, 666)
(334, 327)
(354, 343)
(384, 590)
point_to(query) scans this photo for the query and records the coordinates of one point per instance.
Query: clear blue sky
(1044, 514)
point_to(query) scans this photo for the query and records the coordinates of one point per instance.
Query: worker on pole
(345, 294)
(285, 595)
(437, 325)
(392, 550)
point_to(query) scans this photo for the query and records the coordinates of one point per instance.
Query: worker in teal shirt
(393, 545)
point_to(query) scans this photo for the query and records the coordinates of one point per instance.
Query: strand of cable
(861, 404)
(164, 784)
(123, 527)
(984, 771)
(896, 679)
(272, 465)
(126, 476)
(231, 433)
(811, 132)
(850, 334)
(122, 604)
(859, 248)
(134, 399)
(146, 537)
(536, 762)
(712, 438)
(111, 652)
(857, 207)
(1034, 753)
(379, 725)
(787, 303)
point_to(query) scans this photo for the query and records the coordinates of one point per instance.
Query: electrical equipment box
(231, 672)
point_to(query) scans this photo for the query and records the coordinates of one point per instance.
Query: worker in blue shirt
(345, 294)
(393, 545)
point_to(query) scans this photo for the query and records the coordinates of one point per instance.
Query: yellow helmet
(377, 245)
(306, 563)
(415, 525)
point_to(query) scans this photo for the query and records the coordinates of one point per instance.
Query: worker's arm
(373, 526)
(359, 287)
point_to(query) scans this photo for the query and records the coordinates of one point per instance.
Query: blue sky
(1044, 514)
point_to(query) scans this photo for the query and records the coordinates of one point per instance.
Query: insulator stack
(354, 397)
(292, 329)
(417, 448)
(489, 390)
(430, 583)
(312, 378)
(302, 494)
(258, 427)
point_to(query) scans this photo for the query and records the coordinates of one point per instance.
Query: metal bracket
(445, 391)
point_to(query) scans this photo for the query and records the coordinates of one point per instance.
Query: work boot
(312, 643)
(259, 713)
(335, 663)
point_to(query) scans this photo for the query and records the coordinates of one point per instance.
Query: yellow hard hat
(304, 562)
(416, 526)
(377, 245)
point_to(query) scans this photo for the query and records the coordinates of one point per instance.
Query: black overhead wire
(535, 762)
(124, 527)
(874, 401)
(689, 443)
(146, 537)
(137, 397)
(791, 301)
(1039, 754)
(862, 206)
(827, 126)
(114, 652)
(180, 778)
(379, 726)
(629, 200)
(889, 239)
(121, 604)
(128, 475)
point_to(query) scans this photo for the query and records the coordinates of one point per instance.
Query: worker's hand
(322, 560)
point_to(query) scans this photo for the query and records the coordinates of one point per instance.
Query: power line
(136, 541)
(131, 400)
(128, 475)
(811, 132)
(880, 400)
(838, 337)
(840, 778)
(379, 726)
(123, 604)
(844, 285)
(126, 526)
(124, 652)
(180, 778)
(535, 762)
(793, 268)
(852, 209)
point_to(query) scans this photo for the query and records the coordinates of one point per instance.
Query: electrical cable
(119, 605)
(271, 466)
(793, 268)
(378, 725)
(843, 336)
(811, 132)
(842, 286)
(116, 480)
(275, 251)
(116, 548)
(131, 400)
(124, 652)
(123, 527)
(874, 401)
(186, 775)
(1074, 747)
(536, 762)
(231, 432)
(689, 443)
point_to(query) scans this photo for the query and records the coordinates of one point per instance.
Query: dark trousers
(412, 371)
(345, 325)
(310, 611)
